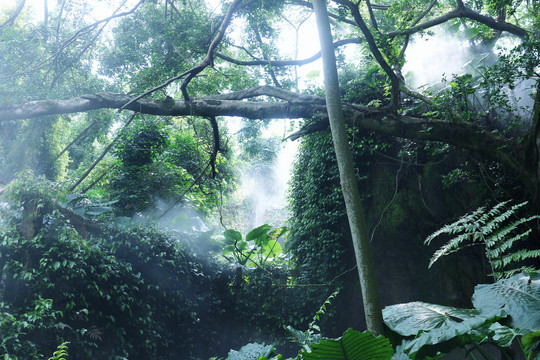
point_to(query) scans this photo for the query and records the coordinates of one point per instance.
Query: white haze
(267, 194)
(428, 59)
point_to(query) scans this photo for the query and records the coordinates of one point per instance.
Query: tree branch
(287, 62)
(209, 59)
(395, 81)
(292, 106)
(14, 15)
(309, 5)
(464, 12)
(100, 157)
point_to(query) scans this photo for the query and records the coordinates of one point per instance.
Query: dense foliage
(137, 237)
(120, 292)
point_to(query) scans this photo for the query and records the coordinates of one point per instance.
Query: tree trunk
(532, 151)
(349, 186)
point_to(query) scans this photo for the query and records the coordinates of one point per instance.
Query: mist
(265, 192)
(432, 61)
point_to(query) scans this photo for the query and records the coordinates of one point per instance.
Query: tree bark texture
(349, 186)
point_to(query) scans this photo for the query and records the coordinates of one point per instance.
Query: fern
(61, 352)
(494, 230)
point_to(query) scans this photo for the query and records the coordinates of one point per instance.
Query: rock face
(408, 204)
(405, 204)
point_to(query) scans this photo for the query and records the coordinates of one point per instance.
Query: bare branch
(100, 157)
(331, 15)
(217, 147)
(395, 81)
(424, 13)
(372, 15)
(265, 57)
(464, 12)
(209, 59)
(287, 62)
(80, 136)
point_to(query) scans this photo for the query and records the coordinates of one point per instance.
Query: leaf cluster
(259, 247)
(129, 292)
(504, 312)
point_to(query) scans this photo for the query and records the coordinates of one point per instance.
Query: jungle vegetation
(128, 130)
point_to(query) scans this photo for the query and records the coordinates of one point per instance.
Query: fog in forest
(200, 231)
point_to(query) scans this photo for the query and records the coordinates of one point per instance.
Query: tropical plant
(496, 231)
(352, 345)
(252, 351)
(260, 245)
(18, 324)
(505, 311)
(313, 333)
(61, 352)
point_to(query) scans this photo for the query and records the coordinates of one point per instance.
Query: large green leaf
(272, 248)
(504, 335)
(411, 318)
(251, 352)
(519, 296)
(353, 345)
(232, 236)
(257, 232)
(433, 324)
(531, 344)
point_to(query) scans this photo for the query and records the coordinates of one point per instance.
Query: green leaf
(97, 210)
(277, 232)
(433, 324)
(519, 296)
(411, 318)
(232, 236)
(251, 352)
(504, 335)
(273, 248)
(531, 341)
(352, 345)
(262, 240)
(258, 231)
(242, 245)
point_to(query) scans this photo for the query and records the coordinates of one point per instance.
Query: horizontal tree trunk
(293, 106)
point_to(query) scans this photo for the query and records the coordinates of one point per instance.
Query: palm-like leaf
(495, 231)
(353, 345)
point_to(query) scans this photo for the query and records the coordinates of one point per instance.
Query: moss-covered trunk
(355, 210)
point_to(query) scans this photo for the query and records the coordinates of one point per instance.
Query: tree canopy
(168, 58)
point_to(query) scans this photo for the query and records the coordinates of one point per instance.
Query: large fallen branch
(283, 104)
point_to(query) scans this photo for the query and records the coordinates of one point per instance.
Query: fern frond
(495, 230)
(508, 273)
(496, 210)
(515, 257)
(503, 245)
(463, 224)
(450, 247)
(504, 232)
(501, 217)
